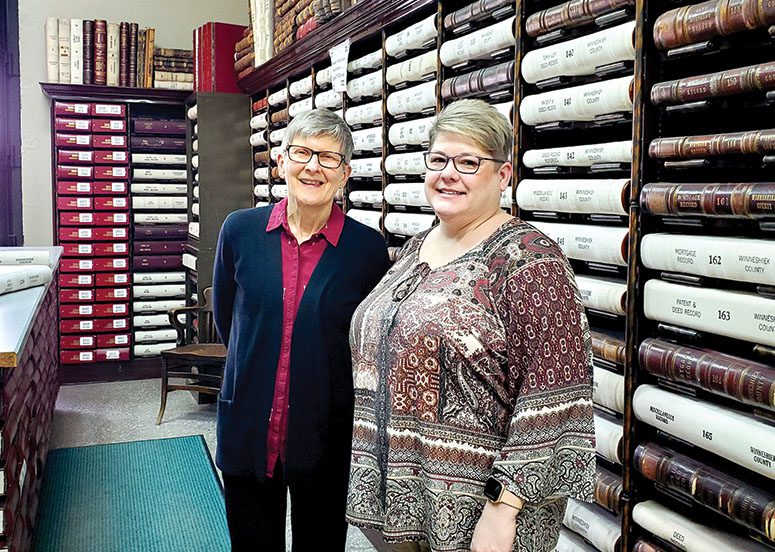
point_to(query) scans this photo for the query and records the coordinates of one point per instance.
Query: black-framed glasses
(465, 163)
(327, 159)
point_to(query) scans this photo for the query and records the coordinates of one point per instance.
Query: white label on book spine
(116, 125)
(740, 438)
(587, 242)
(122, 339)
(119, 202)
(118, 186)
(85, 280)
(85, 265)
(117, 141)
(107, 109)
(86, 324)
(112, 354)
(84, 171)
(119, 156)
(84, 156)
(339, 55)
(121, 279)
(746, 260)
(413, 132)
(406, 193)
(85, 295)
(81, 124)
(85, 309)
(119, 232)
(580, 156)
(119, 217)
(83, 202)
(119, 324)
(86, 341)
(119, 263)
(606, 196)
(118, 172)
(82, 140)
(83, 187)
(119, 309)
(84, 232)
(119, 248)
(120, 293)
(745, 316)
(86, 356)
(85, 249)
(85, 217)
(478, 44)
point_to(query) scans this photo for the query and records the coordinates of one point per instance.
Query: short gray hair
(320, 122)
(479, 122)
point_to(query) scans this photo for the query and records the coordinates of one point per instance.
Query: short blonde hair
(479, 122)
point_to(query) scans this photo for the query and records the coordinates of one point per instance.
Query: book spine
(150, 40)
(76, 51)
(64, 50)
(711, 145)
(88, 51)
(174, 52)
(738, 259)
(715, 85)
(726, 375)
(608, 491)
(171, 76)
(703, 21)
(160, 126)
(159, 202)
(742, 502)
(100, 51)
(52, 49)
(607, 347)
(153, 143)
(244, 63)
(123, 68)
(113, 54)
(24, 277)
(743, 316)
(753, 200)
(132, 55)
(608, 389)
(17, 257)
(571, 14)
(140, 57)
(578, 156)
(208, 71)
(173, 65)
(586, 242)
(602, 294)
(607, 196)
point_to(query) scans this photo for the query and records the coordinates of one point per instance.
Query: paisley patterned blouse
(481, 367)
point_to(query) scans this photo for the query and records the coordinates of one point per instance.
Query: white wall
(174, 21)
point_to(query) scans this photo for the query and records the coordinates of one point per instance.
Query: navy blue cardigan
(248, 295)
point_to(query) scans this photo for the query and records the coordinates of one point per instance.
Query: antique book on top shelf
(112, 58)
(123, 65)
(214, 57)
(741, 259)
(686, 534)
(738, 437)
(596, 525)
(571, 14)
(732, 143)
(752, 200)
(64, 50)
(76, 51)
(744, 316)
(706, 20)
(132, 59)
(88, 51)
(747, 381)
(52, 49)
(100, 51)
(736, 499)
(751, 78)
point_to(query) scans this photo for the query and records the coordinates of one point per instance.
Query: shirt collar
(331, 231)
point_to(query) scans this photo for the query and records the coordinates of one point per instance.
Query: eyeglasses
(465, 163)
(327, 159)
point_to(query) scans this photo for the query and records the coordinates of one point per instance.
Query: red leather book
(110, 234)
(88, 51)
(76, 219)
(110, 173)
(107, 110)
(76, 357)
(110, 203)
(66, 140)
(215, 57)
(121, 353)
(116, 249)
(112, 340)
(110, 264)
(77, 342)
(100, 51)
(71, 108)
(66, 187)
(111, 279)
(109, 125)
(70, 171)
(63, 124)
(75, 157)
(76, 295)
(67, 203)
(110, 310)
(74, 233)
(111, 324)
(78, 250)
(76, 265)
(72, 310)
(108, 157)
(76, 281)
(111, 219)
(109, 188)
(109, 141)
(111, 294)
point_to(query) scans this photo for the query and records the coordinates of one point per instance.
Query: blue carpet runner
(153, 496)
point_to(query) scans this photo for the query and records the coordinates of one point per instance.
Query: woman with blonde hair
(472, 367)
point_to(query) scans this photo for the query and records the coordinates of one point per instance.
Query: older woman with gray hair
(472, 367)
(287, 279)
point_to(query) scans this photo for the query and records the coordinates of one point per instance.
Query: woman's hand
(496, 529)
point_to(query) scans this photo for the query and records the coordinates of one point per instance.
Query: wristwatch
(497, 492)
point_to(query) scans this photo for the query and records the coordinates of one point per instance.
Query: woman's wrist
(500, 510)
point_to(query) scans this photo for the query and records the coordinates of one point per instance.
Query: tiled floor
(117, 412)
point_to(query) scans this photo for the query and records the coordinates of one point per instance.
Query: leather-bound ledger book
(750, 199)
(571, 14)
(706, 20)
(713, 85)
(88, 51)
(712, 145)
(132, 62)
(215, 57)
(123, 64)
(100, 51)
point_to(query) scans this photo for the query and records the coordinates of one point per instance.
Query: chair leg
(164, 391)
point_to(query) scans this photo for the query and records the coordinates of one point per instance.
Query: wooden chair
(198, 365)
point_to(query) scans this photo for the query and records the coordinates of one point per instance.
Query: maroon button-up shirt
(298, 263)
